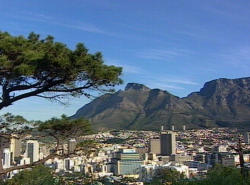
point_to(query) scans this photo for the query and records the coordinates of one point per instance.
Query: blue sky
(166, 44)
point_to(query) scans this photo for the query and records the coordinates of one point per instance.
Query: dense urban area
(135, 155)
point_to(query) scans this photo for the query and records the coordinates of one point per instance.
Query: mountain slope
(221, 102)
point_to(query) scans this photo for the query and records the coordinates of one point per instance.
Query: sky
(172, 45)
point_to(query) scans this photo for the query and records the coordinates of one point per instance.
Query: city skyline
(175, 46)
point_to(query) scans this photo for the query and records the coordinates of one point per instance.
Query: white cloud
(127, 68)
(131, 69)
(31, 16)
(231, 10)
(86, 27)
(242, 53)
(164, 82)
(162, 54)
(237, 57)
(181, 81)
(38, 17)
(162, 85)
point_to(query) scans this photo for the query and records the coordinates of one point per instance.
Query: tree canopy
(218, 175)
(44, 68)
(38, 175)
(65, 127)
(166, 176)
(12, 124)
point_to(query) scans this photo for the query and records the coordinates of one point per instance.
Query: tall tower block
(184, 127)
(172, 127)
(168, 143)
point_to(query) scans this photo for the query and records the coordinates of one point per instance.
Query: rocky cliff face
(221, 102)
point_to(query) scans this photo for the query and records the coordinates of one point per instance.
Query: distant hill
(221, 102)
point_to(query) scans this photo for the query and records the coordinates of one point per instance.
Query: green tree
(44, 68)
(127, 180)
(39, 175)
(226, 176)
(219, 175)
(35, 67)
(166, 176)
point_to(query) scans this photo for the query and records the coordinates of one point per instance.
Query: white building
(247, 137)
(178, 167)
(221, 148)
(147, 172)
(71, 145)
(6, 158)
(32, 150)
(68, 164)
(25, 160)
(246, 158)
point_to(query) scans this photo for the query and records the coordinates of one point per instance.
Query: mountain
(221, 102)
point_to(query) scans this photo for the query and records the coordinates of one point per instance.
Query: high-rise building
(14, 145)
(69, 164)
(15, 148)
(162, 128)
(32, 150)
(6, 158)
(71, 145)
(4, 146)
(155, 146)
(247, 137)
(128, 162)
(168, 143)
(172, 127)
(184, 127)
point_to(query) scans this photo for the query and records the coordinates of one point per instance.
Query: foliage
(75, 178)
(62, 129)
(12, 124)
(44, 68)
(65, 127)
(226, 176)
(217, 176)
(40, 175)
(166, 176)
(127, 180)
